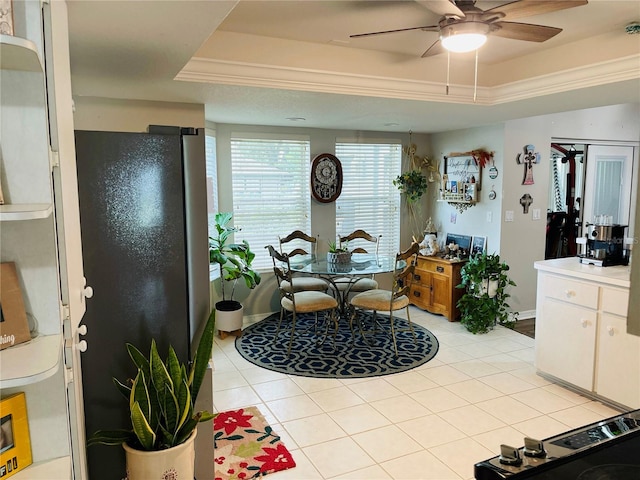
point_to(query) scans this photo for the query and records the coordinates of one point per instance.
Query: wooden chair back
(303, 244)
(361, 235)
(404, 275)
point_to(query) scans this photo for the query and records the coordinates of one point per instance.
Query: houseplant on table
(161, 402)
(234, 261)
(338, 253)
(485, 301)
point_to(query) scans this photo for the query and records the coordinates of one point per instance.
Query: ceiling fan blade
(529, 8)
(442, 7)
(436, 48)
(427, 28)
(525, 31)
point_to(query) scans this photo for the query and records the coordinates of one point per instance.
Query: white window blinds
(369, 200)
(212, 179)
(271, 193)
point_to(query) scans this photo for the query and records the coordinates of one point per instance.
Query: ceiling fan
(464, 27)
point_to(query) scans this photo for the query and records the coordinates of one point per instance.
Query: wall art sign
(326, 178)
(14, 327)
(6, 17)
(529, 157)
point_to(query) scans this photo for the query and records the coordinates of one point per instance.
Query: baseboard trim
(527, 314)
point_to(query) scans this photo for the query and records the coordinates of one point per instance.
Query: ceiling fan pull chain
(475, 80)
(448, 63)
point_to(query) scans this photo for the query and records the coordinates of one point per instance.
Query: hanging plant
(412, 183)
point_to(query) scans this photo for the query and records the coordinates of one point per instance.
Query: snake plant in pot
(485, 301)
(161, 401)
(234, 261)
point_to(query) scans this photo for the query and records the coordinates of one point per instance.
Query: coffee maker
(604, 245)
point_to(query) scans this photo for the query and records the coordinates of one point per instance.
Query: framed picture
(478, 245)
(6, 17)
(15, 443)
(14, 327)
(463, 241)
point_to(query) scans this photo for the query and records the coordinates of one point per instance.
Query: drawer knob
(569, 293)
(611, 330)
(439, 269)
(584, 322)
(416, 277)
(416, 293)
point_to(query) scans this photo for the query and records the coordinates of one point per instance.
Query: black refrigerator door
(132, 214)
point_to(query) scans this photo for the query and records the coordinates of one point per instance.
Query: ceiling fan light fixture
(464, 37)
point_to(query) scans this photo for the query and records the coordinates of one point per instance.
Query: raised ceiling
(264, 62)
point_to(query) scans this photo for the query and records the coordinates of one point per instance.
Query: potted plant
(161, 401)
(338, 254)
(234, 261)
(413, 184)
(485, 300)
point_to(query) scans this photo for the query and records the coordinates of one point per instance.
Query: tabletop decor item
(14, 327)
(245, 446)
(234, 261)
(15, 448)
(338, 254)
(161, 399)
(485, 301)
(326, 178)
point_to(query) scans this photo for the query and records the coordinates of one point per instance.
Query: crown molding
(207, 70)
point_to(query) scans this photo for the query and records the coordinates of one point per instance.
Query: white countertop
(617, 275)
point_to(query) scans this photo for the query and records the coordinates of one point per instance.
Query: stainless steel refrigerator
(143, 218)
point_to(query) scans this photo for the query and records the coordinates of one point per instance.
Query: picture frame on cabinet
(6, 17)
(15, 442)
(14, 327)
(478, 244)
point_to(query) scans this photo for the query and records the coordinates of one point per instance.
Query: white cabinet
(37, 233)
(581, 335)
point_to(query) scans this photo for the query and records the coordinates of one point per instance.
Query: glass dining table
(362, 265)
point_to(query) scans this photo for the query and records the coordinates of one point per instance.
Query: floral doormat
(245, 446)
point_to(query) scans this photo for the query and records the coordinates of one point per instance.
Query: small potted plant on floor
(485, 300)
(161, 399)
(234, 261)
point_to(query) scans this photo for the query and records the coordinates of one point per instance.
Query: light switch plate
(508, 215)
(536, 214)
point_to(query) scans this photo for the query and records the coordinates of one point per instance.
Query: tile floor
(430, 423)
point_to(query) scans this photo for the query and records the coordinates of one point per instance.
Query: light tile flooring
(430, 423)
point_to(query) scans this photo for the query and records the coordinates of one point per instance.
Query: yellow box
(15, 443)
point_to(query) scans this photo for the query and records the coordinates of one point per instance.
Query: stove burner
(611, 472)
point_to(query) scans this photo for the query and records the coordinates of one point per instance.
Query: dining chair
(389, 301)
(296, 302)
(362, 240)
(302, 244)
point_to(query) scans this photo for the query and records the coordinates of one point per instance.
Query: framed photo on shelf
(14, 326)
(15, 443)
(478, 244)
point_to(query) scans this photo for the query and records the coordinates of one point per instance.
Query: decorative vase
(339, 257)
(229, 315)
(175, 463)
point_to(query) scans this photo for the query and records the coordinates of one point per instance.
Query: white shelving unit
(32, 236)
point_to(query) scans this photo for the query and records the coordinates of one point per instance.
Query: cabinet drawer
(567, 290)
(434, 267)
(615, 301)
(420, 293)
(421, 277)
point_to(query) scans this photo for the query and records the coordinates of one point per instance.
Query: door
(608, 184)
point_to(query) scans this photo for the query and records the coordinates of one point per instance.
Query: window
(369, 200)
(212, 179)
(271, 193)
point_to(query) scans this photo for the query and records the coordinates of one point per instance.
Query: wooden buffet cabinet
(434, 286)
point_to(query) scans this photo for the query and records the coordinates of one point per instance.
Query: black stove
(605, 450)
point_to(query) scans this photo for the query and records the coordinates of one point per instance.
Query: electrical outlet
(489, 217)
(508, 215)
(536, 214)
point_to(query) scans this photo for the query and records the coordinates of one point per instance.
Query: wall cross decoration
(525, 201)
(528, 159)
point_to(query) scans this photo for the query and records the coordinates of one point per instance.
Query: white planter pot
(229, 316)
(173, 463)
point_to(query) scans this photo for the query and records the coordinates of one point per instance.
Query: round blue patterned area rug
(349, 358)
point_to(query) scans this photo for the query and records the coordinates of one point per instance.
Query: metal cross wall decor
(528, 159)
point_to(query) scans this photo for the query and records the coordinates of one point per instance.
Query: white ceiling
(264, 62)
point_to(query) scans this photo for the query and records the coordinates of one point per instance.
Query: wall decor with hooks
(462, 178)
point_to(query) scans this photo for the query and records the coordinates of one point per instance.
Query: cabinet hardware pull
(569, 293)
(439, 269)
(610, 330)
(584, 322)
(416, 277)
(416, 293)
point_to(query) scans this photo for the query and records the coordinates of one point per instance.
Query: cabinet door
(565, 342)
(618, 364)
(440, 294)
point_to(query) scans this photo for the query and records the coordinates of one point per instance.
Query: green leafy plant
(335, 248)
(161, 397)
(484, 304)
(412, 183)
(234, 259)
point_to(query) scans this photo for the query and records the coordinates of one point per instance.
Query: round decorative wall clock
(326, 178)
